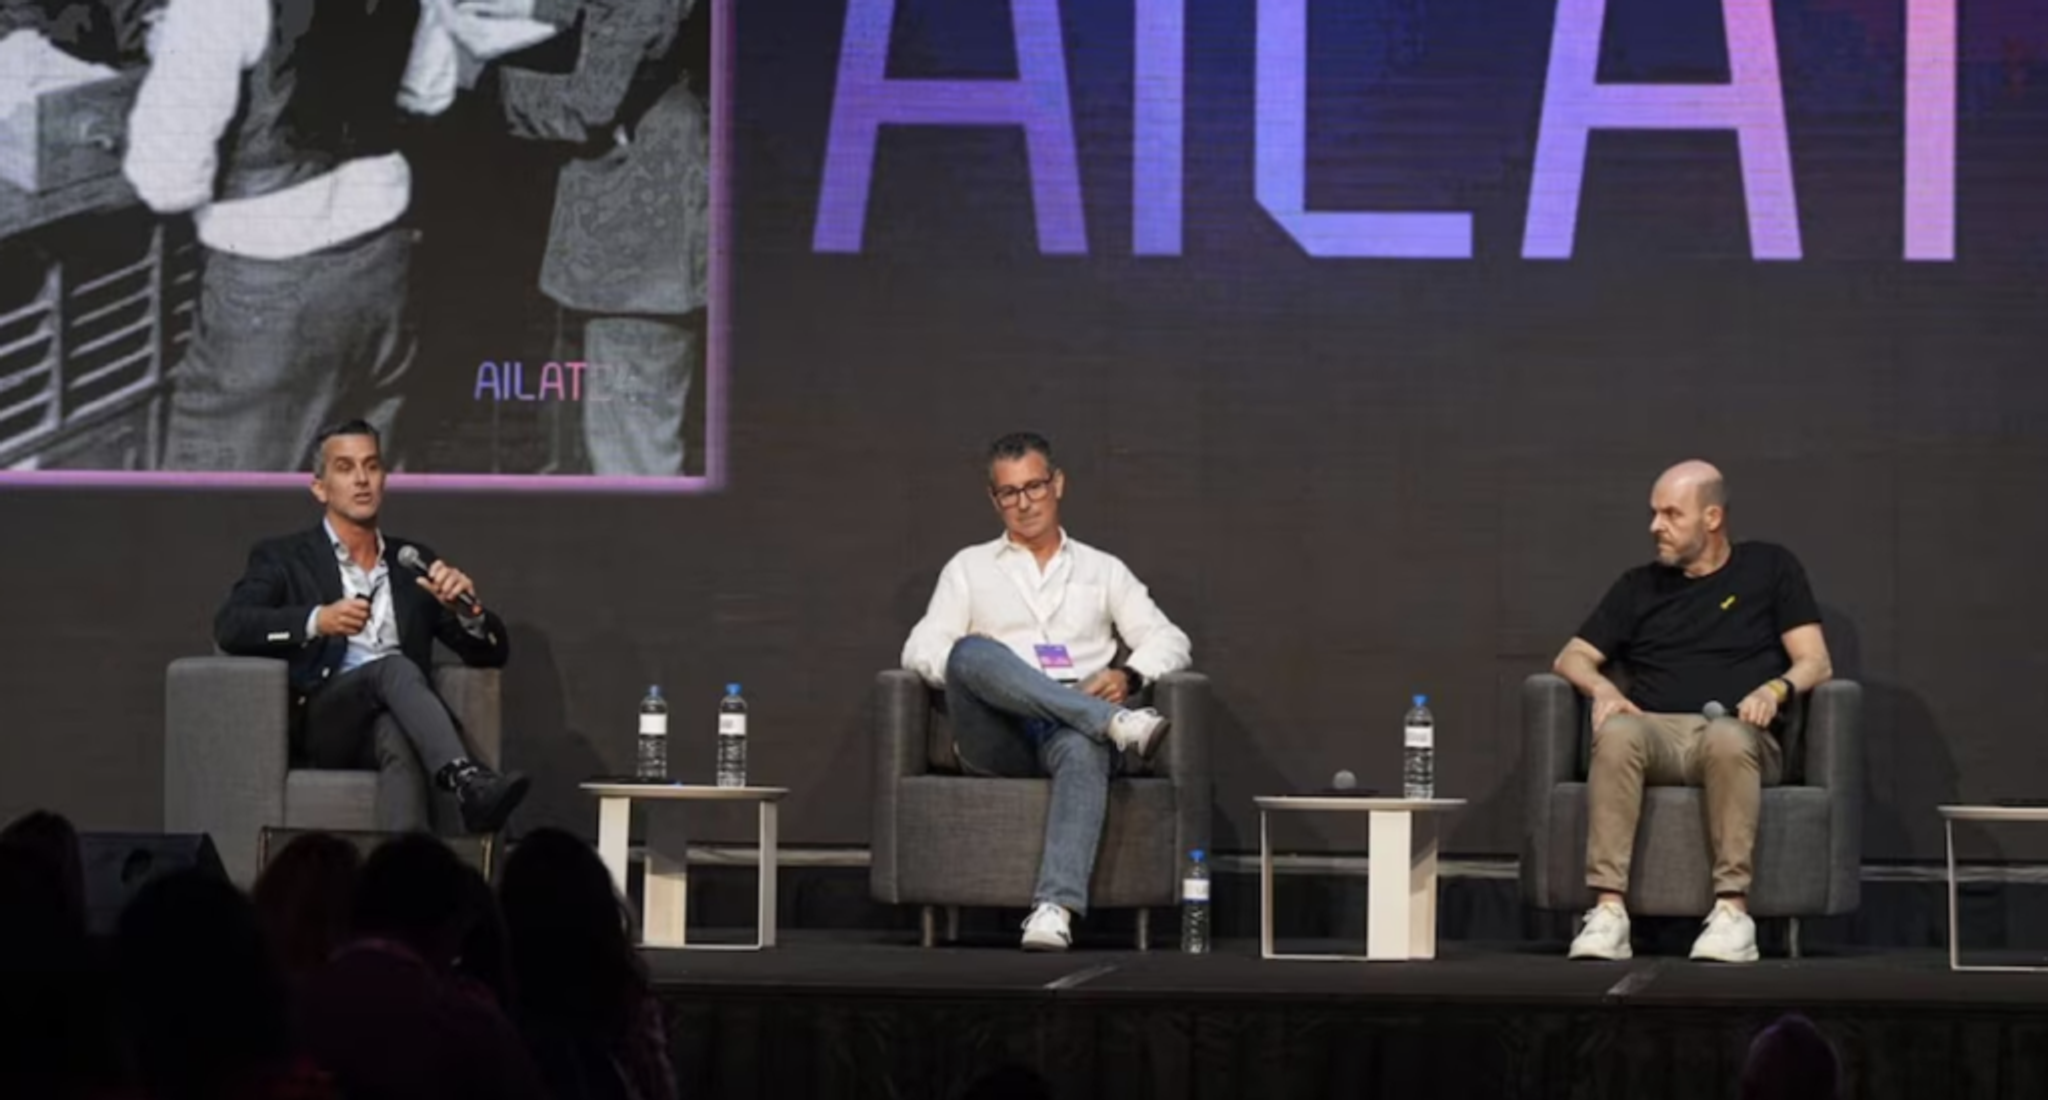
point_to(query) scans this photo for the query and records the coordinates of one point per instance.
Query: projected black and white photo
(485, 226)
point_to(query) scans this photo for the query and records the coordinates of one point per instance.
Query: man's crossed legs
(1011, 720)
(386, 713)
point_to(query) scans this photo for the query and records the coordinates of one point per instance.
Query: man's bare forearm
(1811, 664)
(1808, 673)
(1579, 667)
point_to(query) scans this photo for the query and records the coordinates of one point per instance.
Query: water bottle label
(1194, 889)
(733, 723)
(656, 724)
(1420, 737)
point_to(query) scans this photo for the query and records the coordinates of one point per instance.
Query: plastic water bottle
(732, 738)
(652, 761)
(1418, 753)
(1194, 906)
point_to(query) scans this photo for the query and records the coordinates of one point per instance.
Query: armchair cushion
(1809, 849)
(227, 765)
(941, 838)
(978, 839)
(344, 801)
(1673, 870)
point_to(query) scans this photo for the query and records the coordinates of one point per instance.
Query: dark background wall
(1349, 480)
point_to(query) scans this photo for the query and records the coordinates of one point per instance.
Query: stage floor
(827, 965)
(863, 1015)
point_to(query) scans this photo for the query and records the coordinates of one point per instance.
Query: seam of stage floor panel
(1636, 980)
(1079, 977)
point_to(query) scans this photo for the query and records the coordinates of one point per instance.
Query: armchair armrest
(1834, 760)
(1184, 757)
(474, 697)
(226, 749)
(1552, 714)
(903, 715)
(1834, 753)
(902, 720)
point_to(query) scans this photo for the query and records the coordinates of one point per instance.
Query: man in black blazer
(357, 624)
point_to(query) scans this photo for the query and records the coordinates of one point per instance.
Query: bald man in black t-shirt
(1716, 639)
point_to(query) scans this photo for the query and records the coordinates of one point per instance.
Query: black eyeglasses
(1006, 497)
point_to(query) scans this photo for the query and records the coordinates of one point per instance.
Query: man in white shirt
(1021, 633)
(275, 125)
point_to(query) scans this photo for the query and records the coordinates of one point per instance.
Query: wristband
(1134, 681)
(1781, 687)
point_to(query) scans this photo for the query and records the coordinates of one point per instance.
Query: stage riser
(1906, 915)
(741, 1045)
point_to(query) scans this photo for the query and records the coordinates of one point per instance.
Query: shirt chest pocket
(1084, 604)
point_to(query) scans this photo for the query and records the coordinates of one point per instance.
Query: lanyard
(1045, 617)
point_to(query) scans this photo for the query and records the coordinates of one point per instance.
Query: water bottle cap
(1196, 855)
(1422, 700)
(654, 690)
(732, 689)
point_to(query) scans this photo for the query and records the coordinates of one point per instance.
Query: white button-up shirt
(379, 637)
(1083, 599)
(190, 98)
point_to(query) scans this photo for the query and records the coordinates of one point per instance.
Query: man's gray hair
(358, 426)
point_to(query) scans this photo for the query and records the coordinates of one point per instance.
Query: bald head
(1689, 515)
(1701, 480)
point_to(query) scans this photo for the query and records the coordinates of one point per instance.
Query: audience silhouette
(204, 1003)
(1791, 1060)
(584, 1004)
(52, 991)
(395, 977)
(392, 1014)
(303, 899)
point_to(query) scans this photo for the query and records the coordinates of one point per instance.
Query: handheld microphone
(409, 556)
(1346, 784)
(1714, 710)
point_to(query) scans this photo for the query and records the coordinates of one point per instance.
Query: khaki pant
(1731, 759)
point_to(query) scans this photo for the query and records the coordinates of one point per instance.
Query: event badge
(1054, 662)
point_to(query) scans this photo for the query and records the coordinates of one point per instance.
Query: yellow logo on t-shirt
(1727, 603)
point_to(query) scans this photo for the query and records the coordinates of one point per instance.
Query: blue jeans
(1011, 720)
(639, 384)
(281, 348)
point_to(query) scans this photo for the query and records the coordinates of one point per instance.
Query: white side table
(1952, 814)
(667, 881)
(1400, 909)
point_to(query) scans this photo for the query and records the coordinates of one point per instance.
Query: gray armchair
(1809, 845)
(227, 767)
(941, 838)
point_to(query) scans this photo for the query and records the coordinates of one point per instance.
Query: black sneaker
(487, 798)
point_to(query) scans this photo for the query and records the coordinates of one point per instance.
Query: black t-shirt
(1686, 641)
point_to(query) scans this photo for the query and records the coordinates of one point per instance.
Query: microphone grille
(409, 556)
(1714, 710)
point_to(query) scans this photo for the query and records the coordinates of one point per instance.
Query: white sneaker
(1138, 731)
(1730, 936)
(1046, 929)
(1605, 935)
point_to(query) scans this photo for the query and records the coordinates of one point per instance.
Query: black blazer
(286, 578)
